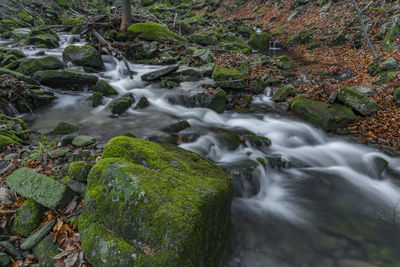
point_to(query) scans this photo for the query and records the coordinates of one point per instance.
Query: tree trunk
(126, 15)
(371, 48)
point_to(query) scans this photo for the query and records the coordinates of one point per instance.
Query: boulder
(42, 189)
(120, 104)
(177, 126)
(223, 74)
(85, 55)
(154, 205)
(151, 31)
(105, 88)
(327, 117)
(66, 79)
(63, 128)
(260, 42)
(45, 251)
(218, 101)
(37, 236)
(79, 170)
(142, 103)
(205, 55)
(231, 85)
(283, 92)
(29, 216)
(155, 75)
(83, 140)
(18, 76)
(357, 101)
(58, 152)
(43, 39)
(204, 38)
(31, 65)
(389, 64)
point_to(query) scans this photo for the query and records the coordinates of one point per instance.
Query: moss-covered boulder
(260, 42)
(391, 36)
(97, 99)
(45, 251)
(79, 170)
(85, 55)
(154, 205)
(64, 128)
(218, 100)
(358, 101)
(31, 65)
(204, 38)
(105, 88)
(155, 75)
(83, 140)
(142, 103)
(43, 39)
(66, 79)
(283, 92)
(19, 76)
(327, 117)
(13, 131)
(152, 31)
(396, 94)
(223, 74)
(122, 103)
(40, 188)
(29, 216)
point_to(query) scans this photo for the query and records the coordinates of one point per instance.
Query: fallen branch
(112, 49)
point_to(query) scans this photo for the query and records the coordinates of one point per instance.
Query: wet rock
(85, 55)
(36, 237)
(4, 259)
(256, 141)
(230, 139)
(118, 184)
(97, 99)
(40, 188)
(142, 103)
(205, 55)
(45, 251)
(223, 74)
(29, 216)
(64, 128)
(327, 117)
(204, 38)
(283, 92)
(260, 42)
(218, 101)
(151, 31)
(358, 101)
(66, 79)
(31, 65)
(120, 104)
(43, 39)
(79, 170)
(177, 126)
(155, 75)
(83, 140)
(105, 88)
(10, 249)
(58, 153)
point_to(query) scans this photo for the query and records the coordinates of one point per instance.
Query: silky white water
(328, 203)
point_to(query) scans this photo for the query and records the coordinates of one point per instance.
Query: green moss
(23, 15)
(105, 88)
(204, 38)
(72, 20)
(79, 170)
(260, 42)
(28, 218)
(152, 31)
(391, 36)
(85, 55)
(97, 99)
(45, 251)
(31, 65)
(283, 92)
(396, 94)
(64, 128)
(5, 140)
(218, 101)
(358, 101)
(221, 74)
(171, 200)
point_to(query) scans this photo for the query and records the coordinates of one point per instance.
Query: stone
(67, 139)
(142, 103)
(177, 126)
(230, 139)
(122, 103)
(365, 90)
(58, 152)
(155, 75)
(218, 101)
(40, 188)
(389, 64)
(83, 140)
(29, 216)
(32, 65)
(76, 186)
(396, 95)
(358, 101)
(151, 31)
(260, 42)
(66, 79)
(97, 99)
(327, 117)
(45, 251)
(204, 38)
(205, 55)
(37, 236)
(231, 85)
(105, 88)
(283, 92)
(46, 39)
(171, 200)
(79, 170)
(64, 128)
(4, 259)
(10, 249)
(391, 36)
(223, 74)
(85, 55)
(19, 76)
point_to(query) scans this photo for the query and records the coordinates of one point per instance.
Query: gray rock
(45, 251)
(155, 75)
(67, 139)
(365, 90)
(66, 79)
(205, 55)
(283, 92)
(332, 97)
(86, 56)
(58, 153)
(4, 259)
(358, 101)
(76, 186)
(36, 237)
(389, 64)
(10, 249)
(83, 140)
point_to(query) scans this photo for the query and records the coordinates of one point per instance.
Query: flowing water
(320, 200)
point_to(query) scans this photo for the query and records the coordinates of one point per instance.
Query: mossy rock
(105, 88)
(327, 117)
(29, 216)
(223, 74)
(45, 251)
(85, 55)
(204, 38)
(260, 42)
(358, 101)
(120, 104)
(79, 170)
(159, 197)
(31, 65)
(391, 36)
(43, 39)
(23, 15)
(283, 92)
(218, 101)
(5, 141)
(64, 128)
(66, 79)
(396, 95)
(152, 31)
(97, 99)
(16, 52)
(72, 20)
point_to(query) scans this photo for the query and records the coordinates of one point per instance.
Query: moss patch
(152, 31)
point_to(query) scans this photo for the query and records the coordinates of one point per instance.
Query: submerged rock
(142, 103)
(358, 101)
(40, 188)
(66, 79)
(151, 31)
(119, 105)
(327, 117)
(154, 205)
(155, 75)
(105, 88)
(85, 55)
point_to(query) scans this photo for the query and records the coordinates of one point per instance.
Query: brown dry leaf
(71, 259)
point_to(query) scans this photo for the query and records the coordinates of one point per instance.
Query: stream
(321, 200)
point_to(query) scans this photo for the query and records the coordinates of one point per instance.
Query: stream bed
(320, 200)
